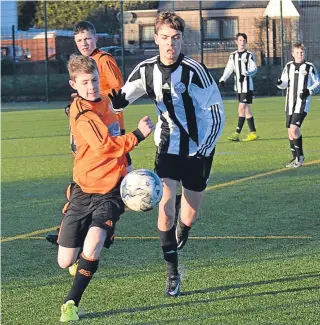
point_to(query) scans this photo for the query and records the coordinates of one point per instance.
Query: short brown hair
(171, 19)
(84, 25)
(80, 64)
(298, 45)
(243, 35)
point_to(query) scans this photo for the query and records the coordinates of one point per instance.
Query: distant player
(86, 38)
(301, 80)
(242, 64)
(190, 120)
(99, 166)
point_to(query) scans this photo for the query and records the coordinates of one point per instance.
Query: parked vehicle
(116, 50)
(20, 54)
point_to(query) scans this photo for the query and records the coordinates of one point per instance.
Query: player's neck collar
(94, 51)
(172, 66)
(91, 101)
(298, 64)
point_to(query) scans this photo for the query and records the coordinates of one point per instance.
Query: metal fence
(33, 62)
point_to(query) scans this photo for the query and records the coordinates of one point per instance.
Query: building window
(147, 36)
(220, 33)
(220, 28)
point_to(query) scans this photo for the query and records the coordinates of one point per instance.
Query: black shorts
(191, 171)
(295, 119)
(87, 210)
(246, 98)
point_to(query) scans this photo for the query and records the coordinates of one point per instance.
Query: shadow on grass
(202, 301)
(38, 137)
(251, 284)
(245, 311)
(224, 141)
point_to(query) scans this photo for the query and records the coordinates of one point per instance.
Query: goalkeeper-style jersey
(241, 63)
(296, 77)
(188, 102)
(100, 160)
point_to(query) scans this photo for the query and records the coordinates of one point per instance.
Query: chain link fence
(33, 62)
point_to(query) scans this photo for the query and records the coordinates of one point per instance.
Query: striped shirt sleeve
(284, 78)
(208, 101)
(252, 67)
(135, 87)
(229, 69)
(315, 87)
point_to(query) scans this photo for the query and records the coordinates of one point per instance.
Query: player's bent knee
(64, 262)
(93, 253)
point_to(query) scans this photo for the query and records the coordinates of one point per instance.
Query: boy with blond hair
(85, 37)
(301, 80)
(99, 166)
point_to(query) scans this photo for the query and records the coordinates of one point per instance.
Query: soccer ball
(141, 190)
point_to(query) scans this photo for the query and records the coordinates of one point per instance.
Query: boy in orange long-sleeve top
(86, 38)
(99, 166)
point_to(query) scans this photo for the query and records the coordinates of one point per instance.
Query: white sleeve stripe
(211, 138)
(203, 81)
(200, 70)
(215, 133)
(200, 76)
(215, 130)
(151, 60)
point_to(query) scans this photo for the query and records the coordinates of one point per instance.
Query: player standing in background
(242, 64)
(301, 80)
(99, 166)
(86, 38)
(190, 120)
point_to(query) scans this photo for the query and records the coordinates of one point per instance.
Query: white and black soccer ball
(141, 190)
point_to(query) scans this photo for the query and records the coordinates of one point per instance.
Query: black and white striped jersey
(241, 63)
(296, 77)
(189, 105)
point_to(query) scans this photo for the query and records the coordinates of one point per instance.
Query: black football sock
(251, 124)
(298, 146)
(85, 271)
(293, 149)
(169, 247)
(241, 120)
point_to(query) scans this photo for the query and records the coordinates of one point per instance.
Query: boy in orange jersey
(86, 38)
(99, 166)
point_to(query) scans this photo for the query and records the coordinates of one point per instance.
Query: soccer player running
(242, 64)
(190, 120)
(99, 166)
(86, 38)
(301, 80)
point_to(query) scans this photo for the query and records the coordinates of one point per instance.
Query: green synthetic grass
(253, 257)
